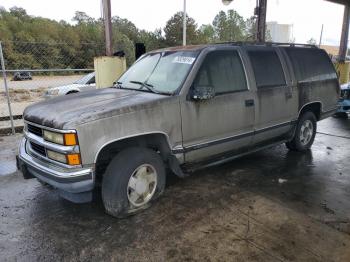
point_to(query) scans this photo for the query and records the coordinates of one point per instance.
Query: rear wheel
(133, 179)
(304, 133)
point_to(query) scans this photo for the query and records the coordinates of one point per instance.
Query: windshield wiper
(149, 87)
(118, 84)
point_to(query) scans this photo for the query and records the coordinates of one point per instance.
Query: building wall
(280, 32)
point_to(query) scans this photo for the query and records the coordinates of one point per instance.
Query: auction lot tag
(184, 60)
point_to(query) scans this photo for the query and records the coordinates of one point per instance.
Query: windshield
(85, 79)
(164, 72)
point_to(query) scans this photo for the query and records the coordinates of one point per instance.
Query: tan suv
(179, 108)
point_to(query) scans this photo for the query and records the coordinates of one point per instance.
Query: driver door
(223, 123)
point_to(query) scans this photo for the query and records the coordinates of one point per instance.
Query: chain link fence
(33, 68)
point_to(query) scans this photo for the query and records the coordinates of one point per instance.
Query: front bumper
(71, 181)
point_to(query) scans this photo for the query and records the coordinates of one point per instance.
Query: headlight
(71, 159)
(69, 139)
(56, 156)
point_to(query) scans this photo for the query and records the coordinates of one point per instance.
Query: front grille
(35, 130)
(38, 149)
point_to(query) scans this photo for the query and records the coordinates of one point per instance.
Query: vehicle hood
(69, 111)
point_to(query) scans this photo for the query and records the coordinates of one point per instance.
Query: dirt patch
(20, 95)
(20, 99)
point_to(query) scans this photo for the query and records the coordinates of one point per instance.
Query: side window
(267, 68)
(310, 64)
(223, 70)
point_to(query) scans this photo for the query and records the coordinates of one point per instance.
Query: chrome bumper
(75, 180)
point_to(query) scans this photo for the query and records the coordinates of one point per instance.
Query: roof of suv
(201, 47)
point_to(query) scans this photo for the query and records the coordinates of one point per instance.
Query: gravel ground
(40, 82)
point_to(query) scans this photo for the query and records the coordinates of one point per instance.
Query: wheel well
(314, 108)
(157, 142)
(72, 92)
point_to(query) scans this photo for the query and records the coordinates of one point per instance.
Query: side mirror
(199, 93)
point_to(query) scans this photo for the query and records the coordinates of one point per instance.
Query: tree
(311, 41)
(174, 28)
(229, 26)
(207, 34)
(152, 40)
(251, 29)
(82, 18)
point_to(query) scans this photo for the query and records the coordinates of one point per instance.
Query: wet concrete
(8, 151)
(274, 205)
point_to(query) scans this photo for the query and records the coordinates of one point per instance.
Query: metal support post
(6, 88)
(108, 26)
(344, 35)
(261, 24)
(184, 32)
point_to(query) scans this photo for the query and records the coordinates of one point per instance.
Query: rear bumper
(75, 180)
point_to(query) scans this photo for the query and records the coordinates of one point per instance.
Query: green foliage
(311, 41)
(41, 43)
(229, 26)
(174, 28)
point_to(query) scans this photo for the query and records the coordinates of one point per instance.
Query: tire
(301, 142)
(342, 115)
(129, 166)
(72, 92)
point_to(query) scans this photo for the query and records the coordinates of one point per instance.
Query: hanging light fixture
(227, 2)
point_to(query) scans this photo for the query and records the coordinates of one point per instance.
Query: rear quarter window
(310, 64)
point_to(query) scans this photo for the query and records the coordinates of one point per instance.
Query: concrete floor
(273, 205)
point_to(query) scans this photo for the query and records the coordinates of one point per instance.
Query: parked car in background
(85, 83)
(19, 76)
(177, 109)
(344, 101)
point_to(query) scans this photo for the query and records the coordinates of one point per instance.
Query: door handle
(249, 102)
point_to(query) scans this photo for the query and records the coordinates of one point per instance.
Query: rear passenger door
(276, 97)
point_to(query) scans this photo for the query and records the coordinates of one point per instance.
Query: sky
(307, 16)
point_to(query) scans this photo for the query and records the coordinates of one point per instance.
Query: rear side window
(267, 68)
(223, 70)
(310, 64)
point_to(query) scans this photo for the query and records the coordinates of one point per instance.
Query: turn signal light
(70, 139)
(73, 159)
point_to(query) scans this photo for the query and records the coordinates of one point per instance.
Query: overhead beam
(342, 2)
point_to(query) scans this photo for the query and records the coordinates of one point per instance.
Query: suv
(19, 76)
(179, 109)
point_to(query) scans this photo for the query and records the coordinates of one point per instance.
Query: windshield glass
(164, 72)
(85, 79)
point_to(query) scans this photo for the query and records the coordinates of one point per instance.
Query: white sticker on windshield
(184, 60)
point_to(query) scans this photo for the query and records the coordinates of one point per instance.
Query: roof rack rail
(240, 43)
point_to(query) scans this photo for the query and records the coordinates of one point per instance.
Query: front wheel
(304, 133)
(133, 179)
